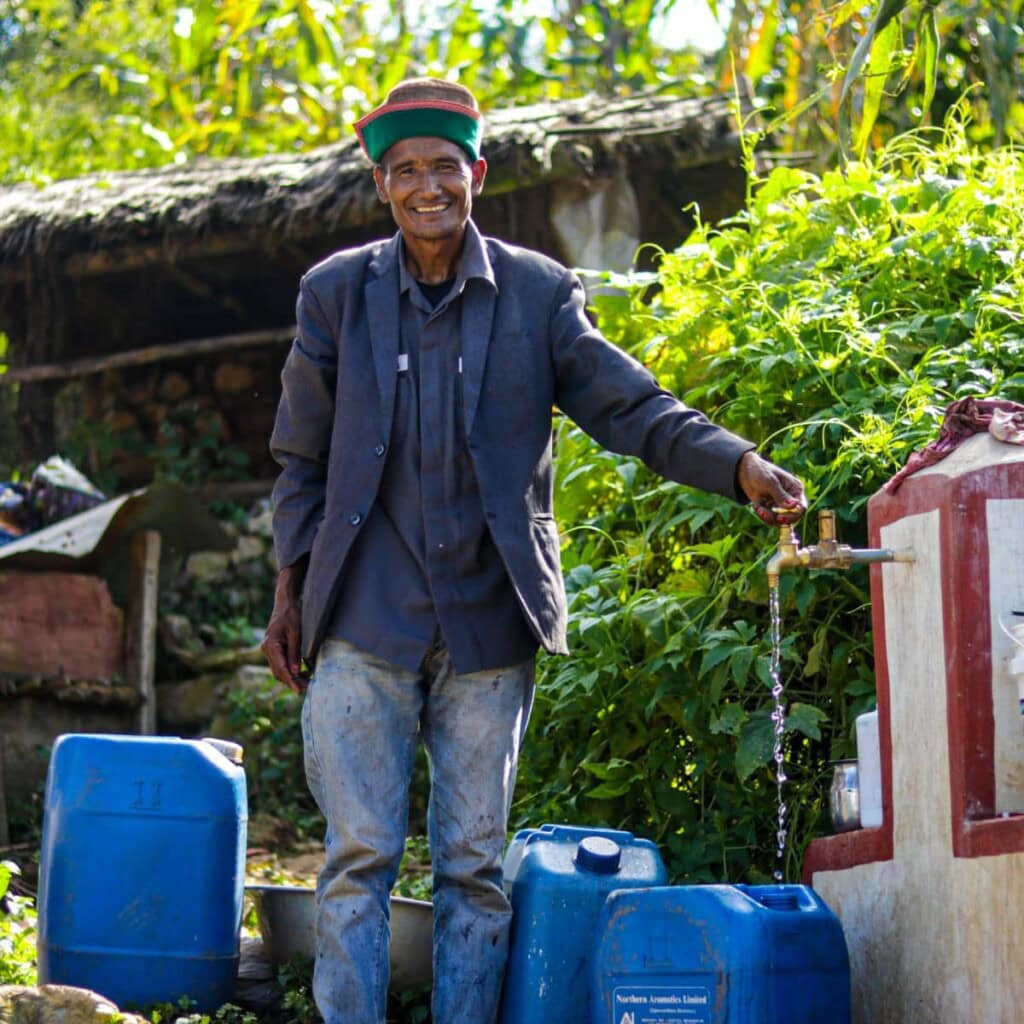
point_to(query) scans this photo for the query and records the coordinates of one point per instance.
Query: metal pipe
(828, 553)
(871, 555)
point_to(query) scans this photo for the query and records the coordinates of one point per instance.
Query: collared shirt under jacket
(425, 558)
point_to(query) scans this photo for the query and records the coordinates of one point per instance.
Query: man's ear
(479, 172)
(380, 180)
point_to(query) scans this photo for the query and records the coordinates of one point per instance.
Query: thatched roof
(106, 221)
(121, 273)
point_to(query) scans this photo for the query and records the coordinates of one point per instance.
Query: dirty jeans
(361, 721)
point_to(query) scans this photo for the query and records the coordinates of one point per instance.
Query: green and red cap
(419, 107)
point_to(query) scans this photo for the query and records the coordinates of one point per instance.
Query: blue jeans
(361, 721)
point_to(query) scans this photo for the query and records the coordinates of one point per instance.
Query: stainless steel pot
(844, 796)
(286, 915)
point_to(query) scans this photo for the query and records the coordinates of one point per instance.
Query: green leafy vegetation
(107, 84)
(181, 1013)
(17, 931)
(119, 84)
(923, 44)
(851, 75)
(266, 722)
(833, 320)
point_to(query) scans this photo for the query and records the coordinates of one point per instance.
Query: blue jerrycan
(557, 878)
(720, 954)
(142, 868)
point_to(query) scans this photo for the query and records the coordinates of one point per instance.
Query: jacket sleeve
(619, 403)
(301, 440)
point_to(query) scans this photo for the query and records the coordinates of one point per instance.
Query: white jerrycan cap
(229, 749)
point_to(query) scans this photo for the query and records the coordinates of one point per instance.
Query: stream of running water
(779, 723)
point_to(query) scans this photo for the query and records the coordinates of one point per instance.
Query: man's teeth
(432, 209)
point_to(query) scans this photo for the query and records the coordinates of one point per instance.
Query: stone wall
(199, 662)
(196, 420)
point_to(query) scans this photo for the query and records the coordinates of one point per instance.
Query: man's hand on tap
(775, 495)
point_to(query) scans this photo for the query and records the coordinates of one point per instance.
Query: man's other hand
(282, 643)
(776, 496)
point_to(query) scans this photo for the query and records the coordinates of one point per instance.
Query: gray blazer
(526, 346)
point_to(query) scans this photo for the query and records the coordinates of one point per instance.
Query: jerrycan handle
(782, 897)
(575, 833)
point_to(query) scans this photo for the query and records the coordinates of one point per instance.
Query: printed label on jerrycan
(651, 1004)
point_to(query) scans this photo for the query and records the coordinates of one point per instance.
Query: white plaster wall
(932, 939)
(976, 452)
(1005, 524)
(990, 921)
(864, 899)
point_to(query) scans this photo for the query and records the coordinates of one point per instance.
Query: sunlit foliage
(126, 83)
(833, 321)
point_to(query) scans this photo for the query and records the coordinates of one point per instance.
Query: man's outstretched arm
(619, 403)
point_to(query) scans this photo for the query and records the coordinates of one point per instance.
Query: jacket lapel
(382, 306)
(477, 319)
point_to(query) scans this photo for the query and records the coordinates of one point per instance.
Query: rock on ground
(57, 1004)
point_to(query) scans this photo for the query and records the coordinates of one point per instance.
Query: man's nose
(430, 183)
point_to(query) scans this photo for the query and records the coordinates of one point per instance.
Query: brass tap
(828, 553)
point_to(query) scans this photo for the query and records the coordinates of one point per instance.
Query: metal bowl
(287, 920)
(844, 796)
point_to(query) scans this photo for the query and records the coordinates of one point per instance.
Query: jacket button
(355, 519)
(380, 450)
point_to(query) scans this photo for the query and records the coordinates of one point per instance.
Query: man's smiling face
(429, 184)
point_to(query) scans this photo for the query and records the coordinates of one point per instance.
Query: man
(419, 558)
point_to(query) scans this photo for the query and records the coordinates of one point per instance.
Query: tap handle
(787, 516)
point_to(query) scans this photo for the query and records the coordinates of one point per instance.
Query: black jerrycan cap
(598, 854)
